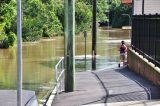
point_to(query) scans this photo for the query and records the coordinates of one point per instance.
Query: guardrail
(59, 76)
(59, 81)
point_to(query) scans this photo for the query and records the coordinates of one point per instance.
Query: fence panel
(146, 36)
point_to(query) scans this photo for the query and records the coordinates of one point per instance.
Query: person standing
(123, 53)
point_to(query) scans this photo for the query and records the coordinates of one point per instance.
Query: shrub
(12, 39)
(31, 30)
(7, 41)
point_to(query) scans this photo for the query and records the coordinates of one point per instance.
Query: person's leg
(123, 59)
(120, 60)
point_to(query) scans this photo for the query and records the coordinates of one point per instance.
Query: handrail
(59, 76)
(59, 81)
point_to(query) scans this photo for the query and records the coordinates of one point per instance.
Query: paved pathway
(109, 86)
(9, 98)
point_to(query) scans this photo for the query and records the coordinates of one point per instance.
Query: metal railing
(59, 81)
(146, 36)
(59, 76)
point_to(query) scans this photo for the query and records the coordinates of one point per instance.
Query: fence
(59, 75)
(146, 36)
(59, 81)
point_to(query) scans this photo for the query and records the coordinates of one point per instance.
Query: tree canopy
(45, 18)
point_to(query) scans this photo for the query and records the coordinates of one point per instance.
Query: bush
(31, 30)
(118, 20)
(7, 41)
(12, 39)
(83, 17)
(31, 34)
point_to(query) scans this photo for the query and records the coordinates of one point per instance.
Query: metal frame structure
(146, 37)
(59, 76)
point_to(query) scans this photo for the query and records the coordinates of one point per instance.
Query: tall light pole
(85, 36)
(130, 23)
(19, 53)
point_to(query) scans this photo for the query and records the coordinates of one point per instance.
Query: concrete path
(109, 86)
(9, 98)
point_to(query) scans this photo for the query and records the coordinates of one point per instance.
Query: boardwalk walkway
(112, 87)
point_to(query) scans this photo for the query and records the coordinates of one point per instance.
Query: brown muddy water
(40, 58)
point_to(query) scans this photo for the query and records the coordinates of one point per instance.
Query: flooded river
(39, 59)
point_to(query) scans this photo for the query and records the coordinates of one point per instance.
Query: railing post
(155, 53)
(56, 80)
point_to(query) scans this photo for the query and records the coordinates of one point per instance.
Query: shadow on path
(108, 86)
(122, 84)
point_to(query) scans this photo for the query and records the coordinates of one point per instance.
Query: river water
(39, 59)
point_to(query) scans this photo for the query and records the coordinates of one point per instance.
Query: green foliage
(102, 7)
(54, 27)
(45, 18)
(7, 41)
(101, 10)
(31, 31)
(12, 39)
(118, 19)
(83, 17)
(116, 11)
(2, 36)
(39, 20)
(59, 11)
(32, 26)
(7, 18)
(4, 1)
(8, 13)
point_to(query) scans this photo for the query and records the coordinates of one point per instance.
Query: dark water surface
(39, 59)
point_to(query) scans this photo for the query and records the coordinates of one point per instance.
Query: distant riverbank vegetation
(45, 18)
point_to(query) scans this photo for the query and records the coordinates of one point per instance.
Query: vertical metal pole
(94, 33)
(69, 44)
(142, 7)
(130, 26)
(108, 18)
(85, 35)
(155, 39)
(133, 7)
(19, 54)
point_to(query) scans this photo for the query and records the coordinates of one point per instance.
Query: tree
(116, 9)
(83, 17)
(118, 20)
(7, 19)
(39, 20)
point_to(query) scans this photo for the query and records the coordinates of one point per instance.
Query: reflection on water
(39, 59)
